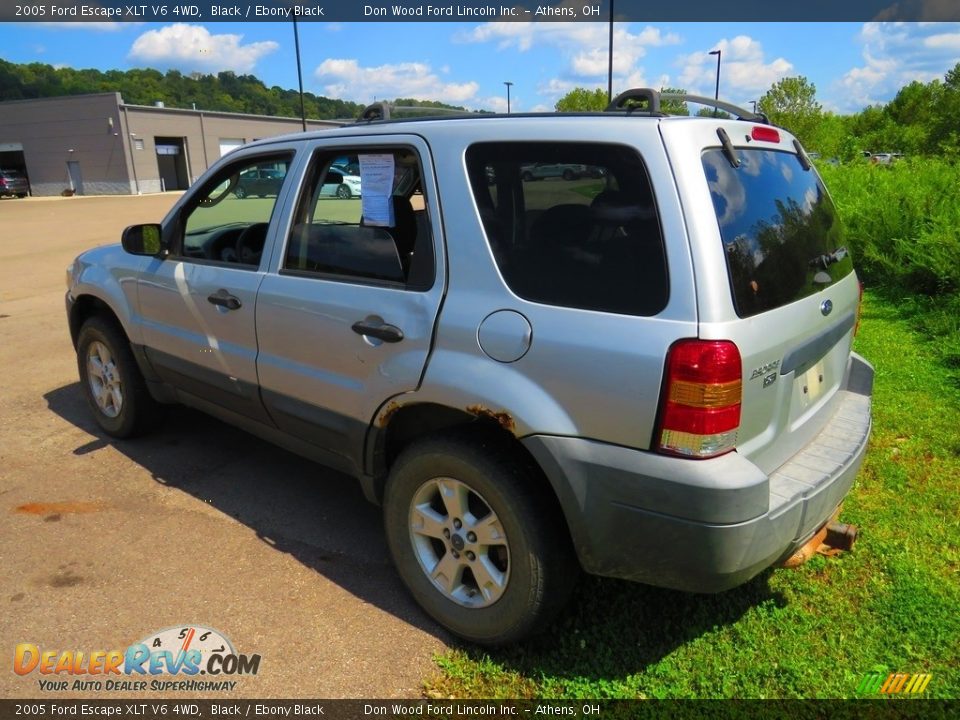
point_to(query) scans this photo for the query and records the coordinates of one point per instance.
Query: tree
(713, 112)
(582, 100)
(674, 107)
(224, 91)
(792, 103)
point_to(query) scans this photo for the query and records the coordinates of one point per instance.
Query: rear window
(572, 224)
(781, 235)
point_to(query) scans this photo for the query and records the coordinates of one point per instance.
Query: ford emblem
(826, 307)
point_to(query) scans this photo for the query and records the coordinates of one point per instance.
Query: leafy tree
(225, 91)
(582, 100)
(674, 107)
(712, 112)
(791, 103)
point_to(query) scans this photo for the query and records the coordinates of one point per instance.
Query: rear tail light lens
(700, 410)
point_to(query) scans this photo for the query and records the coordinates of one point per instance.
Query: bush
(902, 222)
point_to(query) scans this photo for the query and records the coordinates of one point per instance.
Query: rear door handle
(224, 299)
(375, 327)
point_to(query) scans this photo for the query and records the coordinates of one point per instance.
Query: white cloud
(894, 55)
(583, 48)
(193, 47)
(346, 78)
(744, 70)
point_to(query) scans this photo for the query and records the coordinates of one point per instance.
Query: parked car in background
(542, 171)
(347, 166)
(12, 182)
(260, 182)
(341, 184)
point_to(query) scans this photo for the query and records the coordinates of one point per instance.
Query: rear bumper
(703, 525)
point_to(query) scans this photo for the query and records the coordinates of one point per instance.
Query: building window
(138, 143)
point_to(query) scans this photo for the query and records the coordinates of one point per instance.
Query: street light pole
(296, 42)
(508, 84)
(610, 59)
(716, 92)
(754, 103)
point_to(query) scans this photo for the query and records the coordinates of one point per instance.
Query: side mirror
(142, 239)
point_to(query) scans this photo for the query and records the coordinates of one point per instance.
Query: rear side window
(572, 224)
(781, 235)
(368, 227)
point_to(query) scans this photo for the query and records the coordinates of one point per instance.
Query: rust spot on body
(388, 412)
(502, 418)
(57, 508)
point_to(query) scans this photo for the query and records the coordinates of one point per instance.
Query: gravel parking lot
(105, 543)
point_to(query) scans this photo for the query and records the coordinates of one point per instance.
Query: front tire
(240, 192)
(344, 192)
(115, 390)
(474, 541)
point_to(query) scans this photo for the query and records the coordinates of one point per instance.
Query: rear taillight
(700, 410)
(856, 326)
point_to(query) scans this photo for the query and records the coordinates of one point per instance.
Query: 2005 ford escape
(644, 371)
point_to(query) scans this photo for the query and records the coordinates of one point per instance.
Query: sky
(852, 64)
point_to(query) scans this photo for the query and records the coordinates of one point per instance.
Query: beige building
(99, 145)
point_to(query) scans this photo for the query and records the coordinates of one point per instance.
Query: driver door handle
(224, 299)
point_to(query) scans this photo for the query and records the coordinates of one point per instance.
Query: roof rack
(649, 102)
(384, 111)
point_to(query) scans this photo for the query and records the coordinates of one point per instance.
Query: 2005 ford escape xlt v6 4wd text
(643, 371)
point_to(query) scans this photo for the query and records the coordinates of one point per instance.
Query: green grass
(892, 603)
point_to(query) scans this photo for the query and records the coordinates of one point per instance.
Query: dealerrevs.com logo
(183, 653)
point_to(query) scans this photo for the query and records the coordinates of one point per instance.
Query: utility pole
(296, 42)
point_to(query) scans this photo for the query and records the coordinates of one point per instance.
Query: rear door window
(781, 235)
(572, 224)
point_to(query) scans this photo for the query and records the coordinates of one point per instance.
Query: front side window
(362, 217)
(781, 235)
(226, 220)
(572, 224)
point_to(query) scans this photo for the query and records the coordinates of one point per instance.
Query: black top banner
(129, 11)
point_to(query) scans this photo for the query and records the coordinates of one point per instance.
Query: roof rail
(653, 100)
(374, 111)
(384, 111)
(627, 99)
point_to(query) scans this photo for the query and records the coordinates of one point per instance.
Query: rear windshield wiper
(728, 151)
(801, 155)
(828, 259)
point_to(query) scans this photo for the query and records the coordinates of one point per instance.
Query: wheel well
(84, 308)
(405, 424)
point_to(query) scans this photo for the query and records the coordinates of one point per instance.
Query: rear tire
(111, 380)
(474, 541)
(240, 193)
(344, 193)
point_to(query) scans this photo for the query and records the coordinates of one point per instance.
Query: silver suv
(643, 372)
